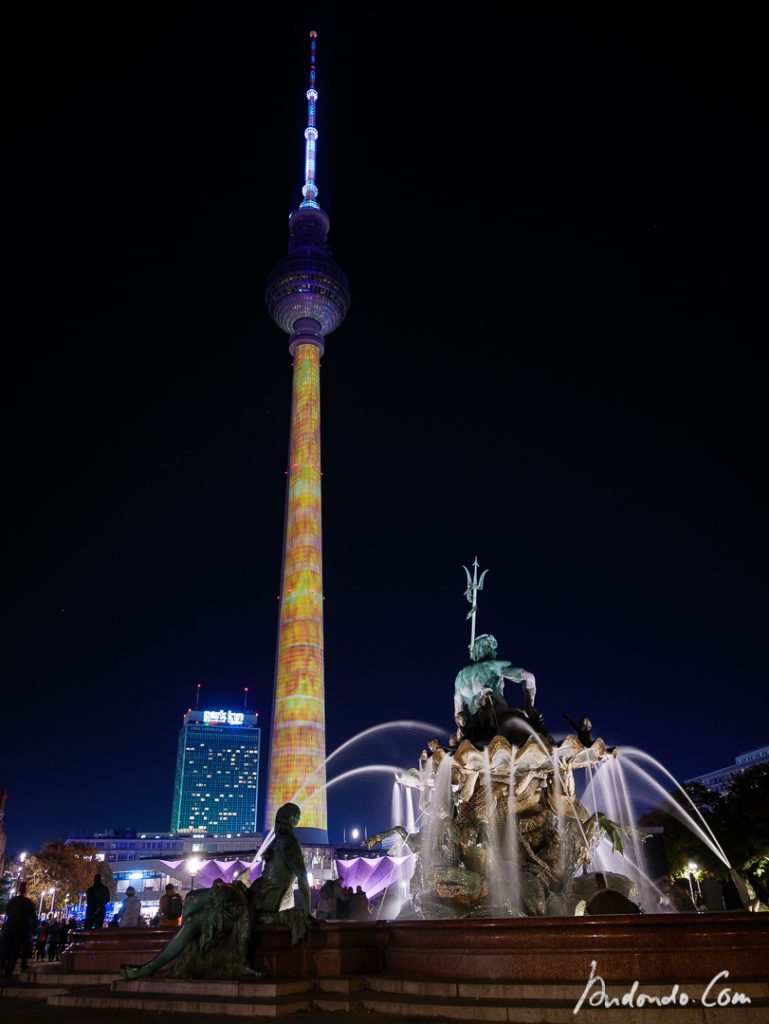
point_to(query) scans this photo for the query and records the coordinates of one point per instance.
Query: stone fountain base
(653, 947)
(661, 947)
(513, 969)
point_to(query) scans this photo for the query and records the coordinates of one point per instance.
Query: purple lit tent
(375, 874)
(210, 870)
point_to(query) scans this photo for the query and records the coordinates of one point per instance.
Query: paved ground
(18, 1011)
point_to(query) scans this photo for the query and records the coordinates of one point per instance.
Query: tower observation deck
(307, 295)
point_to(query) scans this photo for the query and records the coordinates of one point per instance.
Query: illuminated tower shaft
(298, 748)
(308, 296)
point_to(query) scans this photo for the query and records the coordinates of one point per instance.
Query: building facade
(217, 773)
(150, 860)
(721, 779)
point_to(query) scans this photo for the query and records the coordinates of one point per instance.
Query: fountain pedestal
(649, 948)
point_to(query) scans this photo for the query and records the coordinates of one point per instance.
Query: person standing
(64, 930)
(731, 894)
(17, 931)
(327, 903)
(170, 907)
(359, 908)
(712, 892)
(96, 900)
(40, 939)
(131, 909)
(52, 945)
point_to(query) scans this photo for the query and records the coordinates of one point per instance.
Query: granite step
(552, 990)
(400, 996)
(25, 992)
(44, 979)
(191, 1002)
(413, 1006)
(268, 988)
(346, 995)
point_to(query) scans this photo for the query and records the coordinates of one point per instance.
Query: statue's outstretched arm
(397, 830)
(520, 675)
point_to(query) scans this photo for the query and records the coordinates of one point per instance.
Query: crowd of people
(26, 937)
(51, 937)
(338, 902)
(169, 912)
(18, 932)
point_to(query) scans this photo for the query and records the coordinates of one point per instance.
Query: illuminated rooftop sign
(223, 717)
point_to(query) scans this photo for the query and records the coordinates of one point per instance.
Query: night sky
(554, 230)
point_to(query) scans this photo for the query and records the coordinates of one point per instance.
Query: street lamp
(355, 833)
(193, 866)
(22, 858)
(692, 868)
(45, 892)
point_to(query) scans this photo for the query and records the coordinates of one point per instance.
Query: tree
(739, 819)
(743, 820)
(7, 883)
(68, 868)
(682, 846)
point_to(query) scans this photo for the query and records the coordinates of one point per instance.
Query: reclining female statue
(217, 928)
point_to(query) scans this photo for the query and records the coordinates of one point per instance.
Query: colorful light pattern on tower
(308, 296)
(299, 731)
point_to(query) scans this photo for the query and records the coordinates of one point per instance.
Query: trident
(473, 586)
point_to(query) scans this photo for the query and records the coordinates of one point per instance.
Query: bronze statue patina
(486, 674)
(480, 709)
(584, 730)
(218, 924)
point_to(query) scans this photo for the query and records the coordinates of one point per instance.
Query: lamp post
(193, 866)
(52, 894)
(692, 868)
(20, 872)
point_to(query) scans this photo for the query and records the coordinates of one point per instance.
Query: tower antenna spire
(310, 189)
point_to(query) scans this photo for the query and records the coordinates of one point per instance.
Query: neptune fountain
(502, 830)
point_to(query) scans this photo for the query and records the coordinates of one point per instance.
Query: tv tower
(308, 296)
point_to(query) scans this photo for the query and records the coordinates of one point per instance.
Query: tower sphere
(307, 283)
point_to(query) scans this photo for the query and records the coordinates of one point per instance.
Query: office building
(217, 773)
(721, 779)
